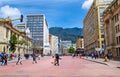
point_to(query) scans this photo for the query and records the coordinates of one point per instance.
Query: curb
(97, 62)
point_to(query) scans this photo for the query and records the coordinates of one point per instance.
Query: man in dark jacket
(57, 59)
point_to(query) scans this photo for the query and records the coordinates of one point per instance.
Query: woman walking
(19, 60)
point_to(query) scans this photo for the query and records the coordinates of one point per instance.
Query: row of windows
(36, 29)
(35, 25)
(37, 44)
(36, 33)
(35, 18)
(34, 22)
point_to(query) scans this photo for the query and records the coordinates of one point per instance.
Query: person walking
(56, 59)
(34, 58)
(5, 58)
(19, 60)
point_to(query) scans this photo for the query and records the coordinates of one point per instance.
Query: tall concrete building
(93, 26)
(39, 30)
(111, 18)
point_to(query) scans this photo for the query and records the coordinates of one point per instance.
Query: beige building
(6, 30)
(93, 26)
(53, 44)
(111, 18)
(80, 42)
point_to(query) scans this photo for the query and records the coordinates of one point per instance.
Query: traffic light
(21, 18)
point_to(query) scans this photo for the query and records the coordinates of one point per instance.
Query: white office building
(39, 30)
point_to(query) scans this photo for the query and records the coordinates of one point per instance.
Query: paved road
(69, 67)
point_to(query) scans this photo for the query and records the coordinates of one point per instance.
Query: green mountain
(66, 33)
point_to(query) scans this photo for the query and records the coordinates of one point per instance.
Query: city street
(69, 67)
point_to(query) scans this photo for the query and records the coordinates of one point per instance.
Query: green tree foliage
(71, 49)
(13, 42)
(22, 41)
(37, 48)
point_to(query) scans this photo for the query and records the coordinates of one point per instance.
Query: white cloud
(6, 11)
(87, 4)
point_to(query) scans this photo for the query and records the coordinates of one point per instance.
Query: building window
(117, 40)
(102, 36)
(116, 17)
(7, 31)
(118, 51)
(117, 28)
(101, 10)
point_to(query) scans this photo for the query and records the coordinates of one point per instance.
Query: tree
(71, 49)
(37, 49)
(13, 42)
(22, 41)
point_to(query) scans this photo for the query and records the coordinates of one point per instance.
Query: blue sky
(60, 13)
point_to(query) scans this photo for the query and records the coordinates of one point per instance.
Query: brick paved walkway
(69, 67)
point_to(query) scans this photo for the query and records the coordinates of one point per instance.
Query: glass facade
(36, 24)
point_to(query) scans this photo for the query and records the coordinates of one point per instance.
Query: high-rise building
(111, 18)
(39, 30)
(93, 26)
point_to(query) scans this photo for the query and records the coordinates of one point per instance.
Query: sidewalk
(110, 63)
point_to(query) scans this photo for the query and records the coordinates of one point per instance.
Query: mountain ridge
(66, 33)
